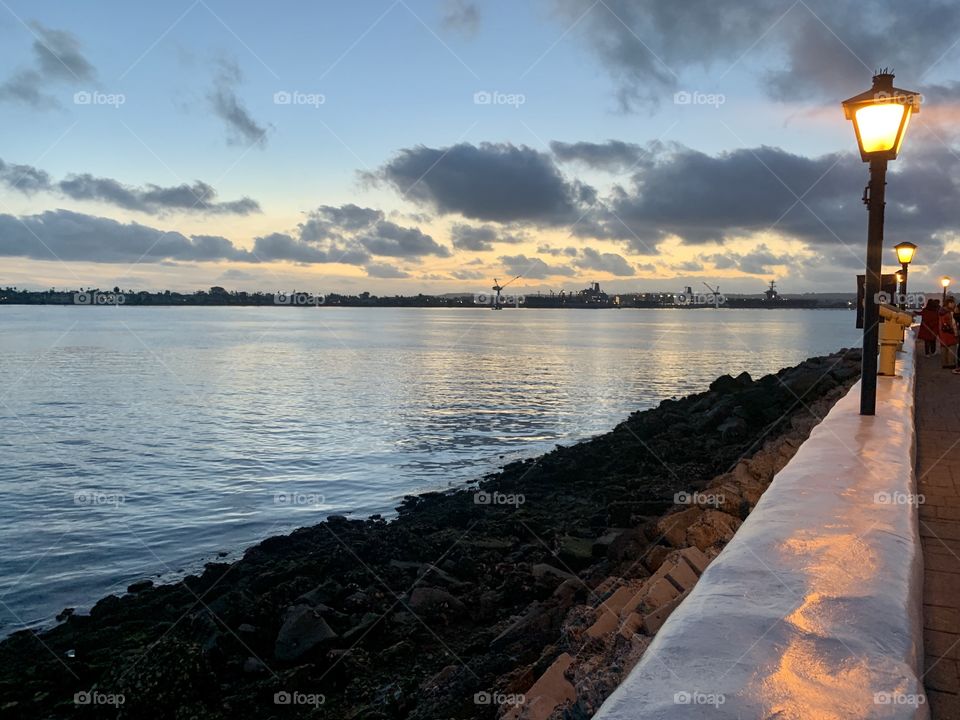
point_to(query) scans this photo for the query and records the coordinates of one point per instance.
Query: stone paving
(938, 473)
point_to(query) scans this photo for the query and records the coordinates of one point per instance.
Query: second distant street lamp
(880, 117)
(905, 252)
(945, 282)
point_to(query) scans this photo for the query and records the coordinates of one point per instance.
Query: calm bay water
(141, 442)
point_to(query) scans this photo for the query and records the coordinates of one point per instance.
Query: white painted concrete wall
(813, 610)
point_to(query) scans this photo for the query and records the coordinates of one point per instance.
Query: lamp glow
(880, 117)
(879, 126)
(905, 252)
(945, 282)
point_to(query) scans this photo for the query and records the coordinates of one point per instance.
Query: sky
(408, 146)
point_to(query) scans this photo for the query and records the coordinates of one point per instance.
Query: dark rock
(108, 605)
(725, 384)
(576, 552)
(733, 428)
(253, 666)
(65, 613)
(139, 586)
(543, 570)
(628, 545)
(303, 629)
(358, 630)
(434, 602)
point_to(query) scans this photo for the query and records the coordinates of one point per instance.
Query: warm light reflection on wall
(809, 678)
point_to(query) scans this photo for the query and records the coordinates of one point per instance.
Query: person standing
(929, 324)
(948, 334)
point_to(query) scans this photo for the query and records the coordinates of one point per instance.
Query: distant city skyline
(433, 145)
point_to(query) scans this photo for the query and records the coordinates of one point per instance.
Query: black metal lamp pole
(871, 311)
(903, 286)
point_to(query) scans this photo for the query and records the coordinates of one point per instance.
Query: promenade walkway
(938, 473)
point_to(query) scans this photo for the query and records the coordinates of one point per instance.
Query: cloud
(612, 263)
(612, 155)
(498, 182)
(461, 16)
(480, 238)
(329, 221)
(347, 234)
(24, 178)
(199, 197)
(57, 58)
(384, 270)
(703, 198)
(818, 49)
(533, 268)
(152, 199)
(242, 129)
(281, 246)
(557, 252)
(70, 236)
(706, 199)
(392, 240)
(468, 274)
(759, 261)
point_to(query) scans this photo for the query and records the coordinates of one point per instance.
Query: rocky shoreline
(527, 594)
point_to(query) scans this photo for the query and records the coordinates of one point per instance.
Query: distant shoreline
(592, 298)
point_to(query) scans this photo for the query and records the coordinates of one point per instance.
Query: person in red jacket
(929, 326)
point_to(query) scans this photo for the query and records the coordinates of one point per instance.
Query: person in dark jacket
(948, 334)
(929, 324)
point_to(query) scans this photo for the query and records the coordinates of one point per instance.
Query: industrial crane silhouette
(497, 287)
(716, 295)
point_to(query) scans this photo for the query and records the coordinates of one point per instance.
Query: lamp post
(880, 117)
(945, 283)
(905, 252)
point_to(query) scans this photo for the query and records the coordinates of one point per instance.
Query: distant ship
(687, 299)
(595, 298)
(590, 298)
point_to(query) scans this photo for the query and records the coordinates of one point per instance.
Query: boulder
(725, 384)
(434, 602)
(733, 428)
(654, 557)
(543, 570)
(712, 528)
(576, 552)
(139, 586)
(673, 527)
(303, 629)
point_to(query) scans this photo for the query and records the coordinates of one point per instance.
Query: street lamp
(905, 252)
(945, 283)
(880, 117)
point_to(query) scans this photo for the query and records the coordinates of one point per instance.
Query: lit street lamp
(945, 283)
(880, 117)
(905, 252)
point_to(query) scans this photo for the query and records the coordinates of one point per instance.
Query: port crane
(497, 287)
(716, 295)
